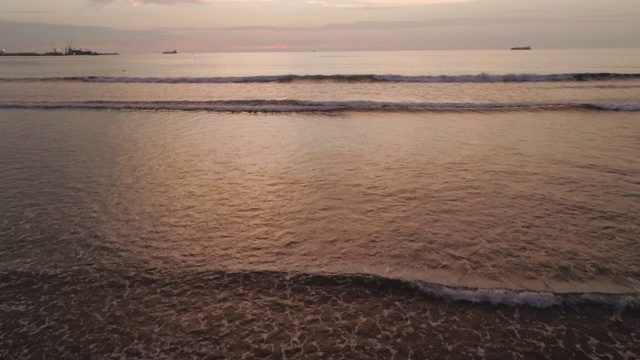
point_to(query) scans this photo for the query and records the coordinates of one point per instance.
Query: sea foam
(292, 106)
(471, 78)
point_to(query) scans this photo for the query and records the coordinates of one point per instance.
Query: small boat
(521, 48)
(170, 52)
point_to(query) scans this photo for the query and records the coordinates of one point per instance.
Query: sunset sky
(302, 25)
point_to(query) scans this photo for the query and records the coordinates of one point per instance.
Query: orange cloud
(379, 3)
(329, 3)
(171, 2)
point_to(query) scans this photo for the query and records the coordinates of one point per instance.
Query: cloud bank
(328, 3)
(379, 3)
(164, 2)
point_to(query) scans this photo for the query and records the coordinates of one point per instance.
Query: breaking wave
(478, 78)
(279, 281)
(290, 106)
(527, 298)
(472, 295)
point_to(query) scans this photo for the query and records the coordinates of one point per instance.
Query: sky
(138, 26)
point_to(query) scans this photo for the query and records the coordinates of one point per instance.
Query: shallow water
(217, 315)
(424, 210)
(542, 201)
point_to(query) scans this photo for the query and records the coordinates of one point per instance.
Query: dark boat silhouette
(521, 48)
(170, 52)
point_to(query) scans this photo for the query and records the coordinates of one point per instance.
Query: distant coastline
(45, 54)
(2, 53)
(68, 51)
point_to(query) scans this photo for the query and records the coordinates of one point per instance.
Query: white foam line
(289, 106)
(477, 78)
(526, 298)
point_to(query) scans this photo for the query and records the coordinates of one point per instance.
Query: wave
(280, 281)
(478, 78)
(528, 298)
(470, 295)
(290, 106)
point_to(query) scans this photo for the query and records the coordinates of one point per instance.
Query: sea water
(321, 205)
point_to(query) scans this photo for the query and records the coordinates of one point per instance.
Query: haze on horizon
(130, 26)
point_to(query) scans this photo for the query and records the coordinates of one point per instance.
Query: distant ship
(170, 52)
(521, 48)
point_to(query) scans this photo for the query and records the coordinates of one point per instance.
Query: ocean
(352, 205)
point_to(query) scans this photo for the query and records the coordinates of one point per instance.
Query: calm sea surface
(321, 205)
